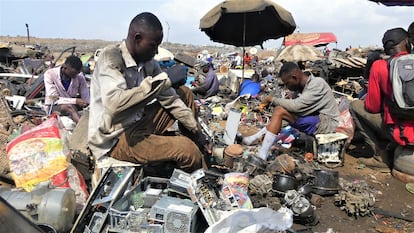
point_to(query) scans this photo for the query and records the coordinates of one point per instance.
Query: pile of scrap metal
(126, 201)
(288, 178)
(10, 52)
(341, 65)
(19, 64)
(7, 126)
(355, 198)
(22, 73)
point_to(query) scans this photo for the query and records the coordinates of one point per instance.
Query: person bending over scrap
(314, 111)
(133, 103)
(63, 84)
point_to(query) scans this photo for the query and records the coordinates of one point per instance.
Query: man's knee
(280, 111)
(191, 157)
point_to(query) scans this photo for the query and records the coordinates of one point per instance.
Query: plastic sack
(72, 178)
(254, 220)
(36, 155)
(346, 122)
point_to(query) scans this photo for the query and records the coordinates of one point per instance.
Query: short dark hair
(147, 20)
(288, 67)
(74, 62)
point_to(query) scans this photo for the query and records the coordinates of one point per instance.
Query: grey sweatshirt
(315, 99)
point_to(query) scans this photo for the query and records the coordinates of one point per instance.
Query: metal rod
(28, 36)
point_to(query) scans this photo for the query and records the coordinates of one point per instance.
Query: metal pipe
(28, 36)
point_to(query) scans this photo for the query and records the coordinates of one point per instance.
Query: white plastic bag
(254, 220)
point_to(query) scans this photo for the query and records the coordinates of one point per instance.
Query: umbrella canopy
(314, 39)
(247, 22)
(299, 52)
(395, 3)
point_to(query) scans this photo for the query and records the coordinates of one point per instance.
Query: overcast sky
(354, 22)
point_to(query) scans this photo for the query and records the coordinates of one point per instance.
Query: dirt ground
(391, 195)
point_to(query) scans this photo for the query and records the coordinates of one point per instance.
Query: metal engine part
(260, 185)
(301, 207)
(356, 199)
(330, 149)
(56, 207)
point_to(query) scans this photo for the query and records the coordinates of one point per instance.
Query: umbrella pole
(244, 42)
(242, 76)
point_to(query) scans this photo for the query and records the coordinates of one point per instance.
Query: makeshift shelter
(314, 39)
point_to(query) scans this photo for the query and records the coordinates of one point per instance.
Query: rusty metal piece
(316, 200)
(282, 164)
(6, 92)
(8, 126)
(260, 185)
(356, 199)
(231, 153)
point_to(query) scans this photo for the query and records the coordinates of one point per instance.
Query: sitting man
(206, 83)
(313, 111)
(63, 84)
(251, 86)
(380, 128)
(133, 103)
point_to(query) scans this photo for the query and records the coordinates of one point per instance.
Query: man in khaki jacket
(133, 103)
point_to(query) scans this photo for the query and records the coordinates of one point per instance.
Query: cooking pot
(325, 182)
(282, 182)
